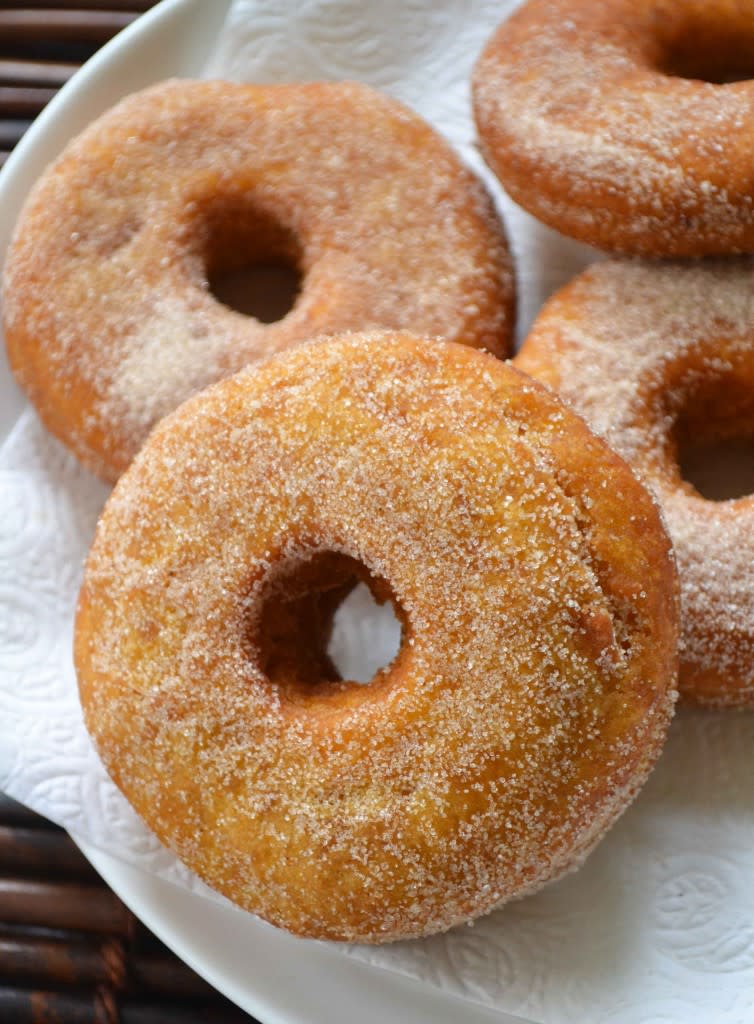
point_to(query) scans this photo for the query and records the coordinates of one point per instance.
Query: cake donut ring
(598, 118)
(532, 689)
(655, 357)
(108, 316)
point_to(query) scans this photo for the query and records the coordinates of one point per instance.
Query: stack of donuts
(376, 434)
(628, 139)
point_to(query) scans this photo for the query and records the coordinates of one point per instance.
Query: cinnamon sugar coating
(613, 121)
(108, 316)
(531, 693)
(654, 356)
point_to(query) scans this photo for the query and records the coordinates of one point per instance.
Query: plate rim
(375, 993)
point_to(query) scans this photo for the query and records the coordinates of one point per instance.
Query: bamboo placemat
(70, 951)
(42, 44)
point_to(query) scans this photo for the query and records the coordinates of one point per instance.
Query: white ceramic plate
(279, 979)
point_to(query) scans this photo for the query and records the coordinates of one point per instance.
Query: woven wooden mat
(70, 951)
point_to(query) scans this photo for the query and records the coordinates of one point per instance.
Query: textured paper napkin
(659, 925)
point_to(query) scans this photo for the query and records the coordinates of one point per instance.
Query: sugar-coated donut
(655, 357)
(109, 320)
(612, 121)
(536, 590)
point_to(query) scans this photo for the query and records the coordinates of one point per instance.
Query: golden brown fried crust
(535, 679)
(654, 356)
(109, 318)
(597, 118)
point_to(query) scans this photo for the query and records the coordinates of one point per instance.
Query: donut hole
(358, 618)
(705, 48)
(326, 624)
(252, 260)
(720, 470)
(265, 291)
(713, 436)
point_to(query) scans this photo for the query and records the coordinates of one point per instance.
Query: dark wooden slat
(11, 932)
(41, 851)
(14, 813)
(21, 1007)
(11, 131)
(63, 905)
(35, 72)
(140, 942)
(168, 976)
(91, 962)
(25, 25)
(135, 6)
(28, 100)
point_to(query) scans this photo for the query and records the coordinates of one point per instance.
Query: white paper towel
(659, 924)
